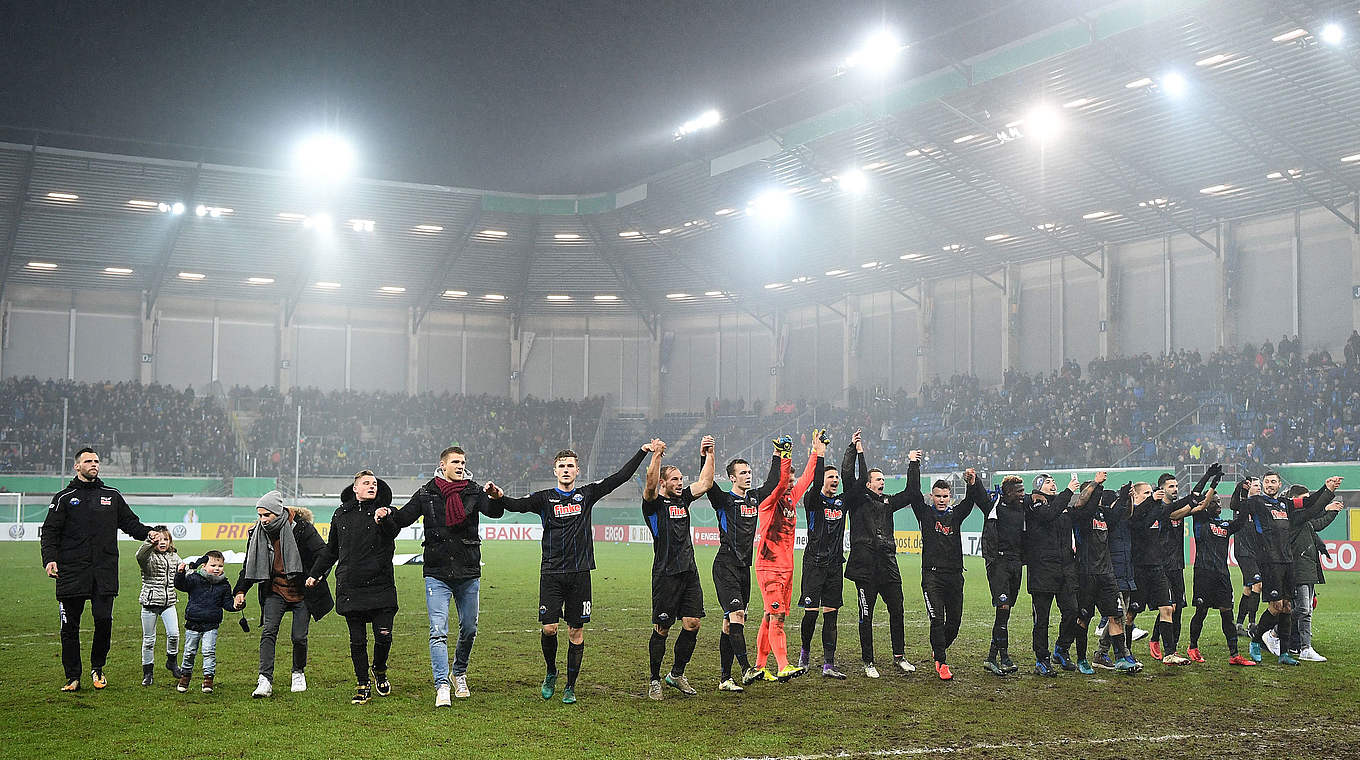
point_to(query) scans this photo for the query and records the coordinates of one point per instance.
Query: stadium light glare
(117, 270)
(629, 234)
(177, 208)
(325, 157)
(771, 204)
(1078, 103)
(1333, 33)
(455, 293)
(260, 280)
(1217, 189)
(362, 225)
(1044, 123)
(1212, 60)
(869, 265)
(63, 197)
(192, 276)
(200, 210)
(1174, 84)
(996, 237)
(494, 234)
(834, 272)
(494, 297)
(558, 298)
(326, 285)
(1351, 158)
(677, 296)
(706, 120)
(321, 222)
(606, 298)
(853, 181)
(1137, 83)
(45, 265)
(725, 211)
(773, 285)
(713, 293)
(428, 228)
(911, 256)
(1094, 215)
(878, 54)
(392, 289)
(566, 236)
(1290, 36)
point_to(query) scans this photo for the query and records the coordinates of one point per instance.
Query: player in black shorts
(1003, 535)
(1052, 568)
(1173, 556)
(823, 577)
(676, 593)
(1245, 553)
(1149, 572)
(1098, 588)
(1212, 584)
(568, 557)
(1274, 519)
(737, 512)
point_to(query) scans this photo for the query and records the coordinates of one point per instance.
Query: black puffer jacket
(451, 553)
(209, 595)
(361, 551)
(80, 534)
(309, 543)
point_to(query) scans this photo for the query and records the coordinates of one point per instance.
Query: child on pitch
(209, 592)
(158, 560)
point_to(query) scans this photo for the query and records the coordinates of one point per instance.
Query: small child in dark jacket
(209, 594)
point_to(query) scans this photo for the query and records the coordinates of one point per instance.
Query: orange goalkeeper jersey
(779, 518)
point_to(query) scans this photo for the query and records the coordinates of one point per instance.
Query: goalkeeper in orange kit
(774, 556)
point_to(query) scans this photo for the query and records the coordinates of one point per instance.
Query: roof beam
(161, 270)
(527, 261)
(642, 302)
(455, 250)
(20, 203)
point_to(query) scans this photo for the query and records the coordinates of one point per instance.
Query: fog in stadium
(330, 334)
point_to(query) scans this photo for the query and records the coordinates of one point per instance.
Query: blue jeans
(466, 596)
(192, 640)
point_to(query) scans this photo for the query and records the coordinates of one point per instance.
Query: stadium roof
(1178, 114)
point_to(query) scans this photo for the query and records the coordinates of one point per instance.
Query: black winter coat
(309, 543)
(80, 534)
(209, 595)
(451, 553)
(361, 551)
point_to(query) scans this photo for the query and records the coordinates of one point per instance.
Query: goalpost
(12, 507)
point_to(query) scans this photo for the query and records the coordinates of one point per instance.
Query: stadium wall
(1290, 274)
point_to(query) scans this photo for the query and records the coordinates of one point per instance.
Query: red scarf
(453, 500)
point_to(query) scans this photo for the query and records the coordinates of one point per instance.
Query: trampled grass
(1209, 710)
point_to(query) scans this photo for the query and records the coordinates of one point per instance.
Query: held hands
(914, 456)
(970, 476)
(706, 445)
(493, 491)
(653, 446)
(183, 567)
(858, 440)
(241, 601)
(311, 582)
(380, 513)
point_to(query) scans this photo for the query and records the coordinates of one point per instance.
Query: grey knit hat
(272, 501)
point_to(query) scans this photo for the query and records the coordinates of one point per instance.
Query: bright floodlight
(1043, 123)
(706, 120)
(878, 53)
(1333, 34)
(853, 181)
(771, 204)
(325, 156)
(1174, 84)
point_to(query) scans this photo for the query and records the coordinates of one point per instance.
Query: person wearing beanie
(279, 550)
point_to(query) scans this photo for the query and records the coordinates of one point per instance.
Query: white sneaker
(904, 666)
(870, 671)
(460, 687)
(1138, 633)
(299, 681)
(1310, 654)
(441, 696)
(1272, 642)
(265, 688)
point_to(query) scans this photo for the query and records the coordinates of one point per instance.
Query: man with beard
(1003, 535)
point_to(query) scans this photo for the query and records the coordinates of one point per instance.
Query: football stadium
(725, 380)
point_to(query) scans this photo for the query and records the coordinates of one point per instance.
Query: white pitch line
(916, 751)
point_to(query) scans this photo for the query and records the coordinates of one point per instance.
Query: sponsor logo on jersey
(833, 514)
(678, 511)
(790, 512)
(749, 510)
(1155, 524)
(1218, 530)
(1099, 524)
(1279, 514)
(566, 510)
(105, 501)
(944, 529)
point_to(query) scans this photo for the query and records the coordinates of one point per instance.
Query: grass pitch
(1209, 710)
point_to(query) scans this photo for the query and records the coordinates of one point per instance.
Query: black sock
(829, 637)
(1080, 638)
(1229, 631)
(549, 644)
(575, 653)
(1285, 632)
(1000, 636)
(1128, 636)
(809, 627)
(1263, 624)
(1242, 605)
(656, 649)
(684, 649)
(1197, 625)
(1121, 650)
(1253, 607)
(1157, 631)
(725, 655)
(737, 635)
(1173, 629)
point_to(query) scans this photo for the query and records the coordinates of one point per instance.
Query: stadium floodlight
(362, 225)
(1044, 123)
(1174, 84)
(706, 120)
(260, 280)
(1332, 34)
(47, 265)
(177, 208)
(1290, 35)
(117, 270)
(771, 204)
(392, 289)
(325, 156)
(853, 181)
(194, 276)
(321, 222)
(878, 54)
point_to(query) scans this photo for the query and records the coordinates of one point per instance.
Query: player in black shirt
(1052, 568)
(676, 593)
(1173, 556)
(823, 564)
(1245, 554)
(873, 558)
(1212, 584)
(1274, 519)
(1003, 535)
(1149, 510)
(568, 557)
(942, 553)
(1098, 588)
(737, 512)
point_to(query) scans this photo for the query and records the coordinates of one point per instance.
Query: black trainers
(362, 693)
(381, 684)
(148, 674)
(1006, 664)
(171, 665)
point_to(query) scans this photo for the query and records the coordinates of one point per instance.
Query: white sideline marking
(914, 751)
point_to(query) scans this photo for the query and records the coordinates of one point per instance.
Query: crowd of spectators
(397, 434)
(158, 429)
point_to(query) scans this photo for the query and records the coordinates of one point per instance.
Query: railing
(606, 410)
(1217, 398)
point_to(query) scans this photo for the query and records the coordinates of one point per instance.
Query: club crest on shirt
(75, 502)
(577, 497)
(679, 511)
(571, 509)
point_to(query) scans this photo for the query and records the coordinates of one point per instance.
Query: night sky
(509, 95)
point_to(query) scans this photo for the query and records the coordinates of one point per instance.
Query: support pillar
(412, 353)
(146, 327)
(1010, 321)
(850, 326)
(923, 330)
(1107, 298)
